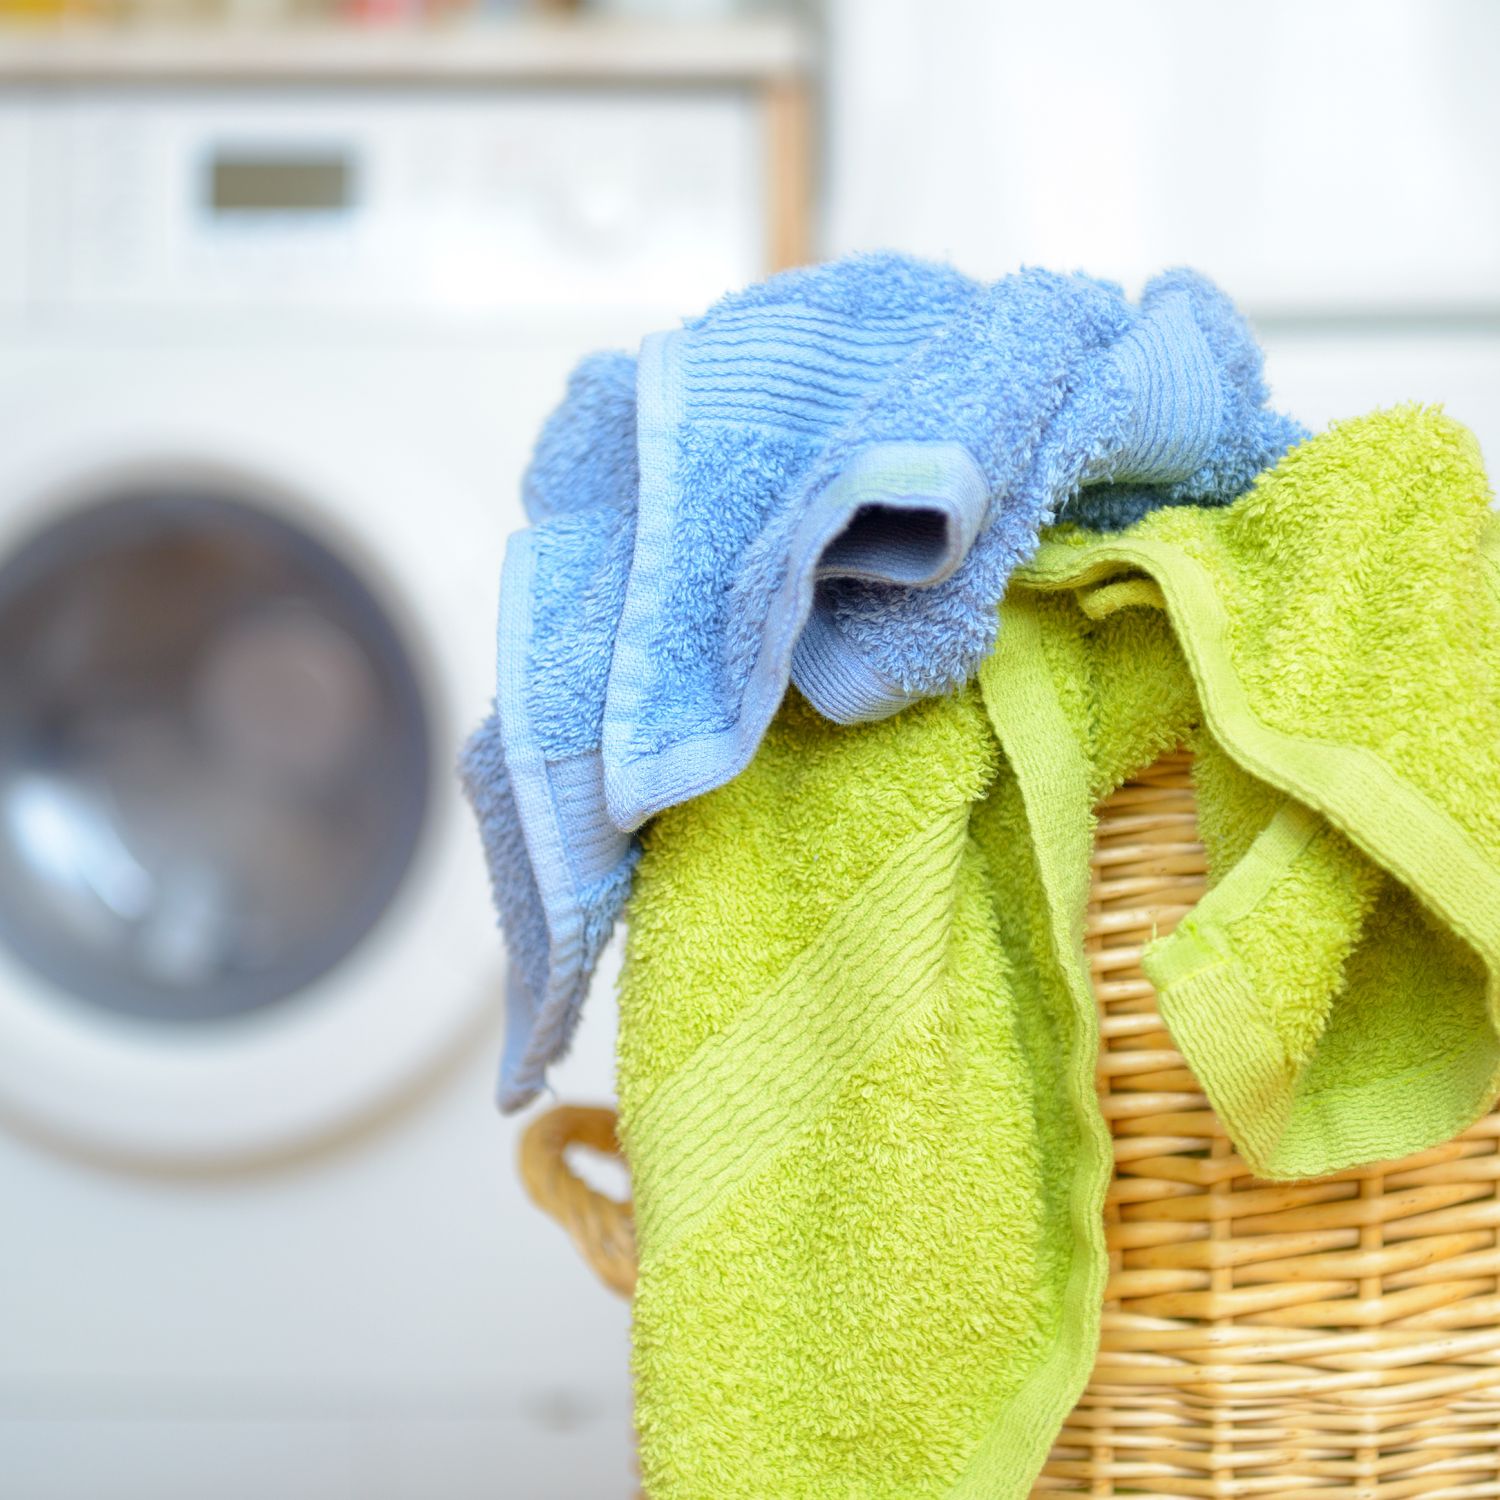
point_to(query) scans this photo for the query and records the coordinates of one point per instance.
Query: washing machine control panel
(366, 199)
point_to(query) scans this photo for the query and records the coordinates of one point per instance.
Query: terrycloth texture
(841, 467)
(559, 870)
(857, 1034)
(838, 470)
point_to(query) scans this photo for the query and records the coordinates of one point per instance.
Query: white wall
(1332, 163)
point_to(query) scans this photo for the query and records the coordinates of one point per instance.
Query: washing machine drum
(214, 758)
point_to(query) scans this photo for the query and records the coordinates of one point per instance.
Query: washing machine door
(241, 905)
(214, 763)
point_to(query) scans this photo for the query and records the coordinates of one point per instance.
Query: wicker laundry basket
(1337, 1336)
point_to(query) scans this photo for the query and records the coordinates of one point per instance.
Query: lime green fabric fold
(858, 1040)
(1337, 991)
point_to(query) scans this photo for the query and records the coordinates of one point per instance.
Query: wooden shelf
(753, 51)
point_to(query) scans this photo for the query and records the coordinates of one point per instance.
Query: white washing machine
(270, 365)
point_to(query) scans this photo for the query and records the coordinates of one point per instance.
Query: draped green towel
(857, 1034)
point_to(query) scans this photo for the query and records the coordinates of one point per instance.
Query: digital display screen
(240, 183)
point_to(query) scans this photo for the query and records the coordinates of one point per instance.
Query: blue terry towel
(826, 479)
(559, 870)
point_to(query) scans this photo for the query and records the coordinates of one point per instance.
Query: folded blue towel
(826, 479)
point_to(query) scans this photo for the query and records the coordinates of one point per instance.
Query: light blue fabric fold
(559, 868)
(827, 479)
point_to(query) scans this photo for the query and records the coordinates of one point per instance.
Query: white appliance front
(148, 1053)
(284, 1250)
(264, 1234)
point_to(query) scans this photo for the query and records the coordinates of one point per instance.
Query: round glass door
(214, 755)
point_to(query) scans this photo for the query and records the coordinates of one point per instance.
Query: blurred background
(285, 288)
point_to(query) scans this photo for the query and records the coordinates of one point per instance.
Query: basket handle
(603, 1228)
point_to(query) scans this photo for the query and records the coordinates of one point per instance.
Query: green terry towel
(857, 1033)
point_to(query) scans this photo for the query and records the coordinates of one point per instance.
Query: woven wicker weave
(1338, 1336)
